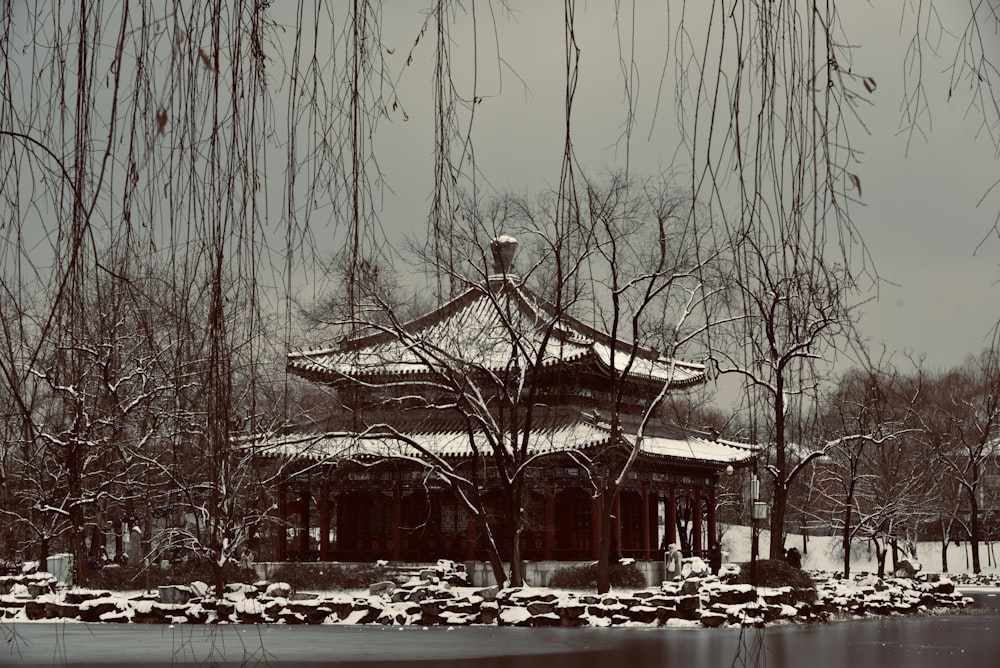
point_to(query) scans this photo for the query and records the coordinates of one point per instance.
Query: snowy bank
(699, 601)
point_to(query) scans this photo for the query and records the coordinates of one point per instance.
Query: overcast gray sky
(922, 217)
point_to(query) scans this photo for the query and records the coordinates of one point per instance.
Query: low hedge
(124, 578)
(328, 577)
(585, 577)
(774, 573)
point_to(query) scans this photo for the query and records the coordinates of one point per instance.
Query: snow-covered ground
(823, 553)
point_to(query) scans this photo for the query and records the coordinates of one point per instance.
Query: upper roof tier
(490, 328)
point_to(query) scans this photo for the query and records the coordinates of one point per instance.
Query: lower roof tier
(585, 432)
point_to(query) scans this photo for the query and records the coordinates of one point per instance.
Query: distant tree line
(930, 469)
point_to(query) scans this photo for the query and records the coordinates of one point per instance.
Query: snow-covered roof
(696, 448)
(456, 443)
(477, 331)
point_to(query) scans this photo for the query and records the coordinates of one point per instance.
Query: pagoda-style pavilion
(426, 396)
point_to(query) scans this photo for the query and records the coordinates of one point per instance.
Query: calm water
(954, 641)
(986, 597)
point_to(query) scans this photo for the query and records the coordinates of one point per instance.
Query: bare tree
(773, 96)
(83, 404)
(654, 272)
(769, 99)
(873, 484)
(964, 427)
(788, 327)
(160, 165)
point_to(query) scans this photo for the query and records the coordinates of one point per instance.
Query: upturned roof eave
(564, 328)
(348, 344)
(422, 373)
(447, 444)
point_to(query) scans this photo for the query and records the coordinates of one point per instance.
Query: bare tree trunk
(604, 551)
(779, 503)
(493, 552)
(77, 530)
(974, 529)
(119, 538)
(516, 563)
(846, 541)
(880, 554)
(147, 545)
(96, 538)
(779, 506)
(516, 516)
(43, 552)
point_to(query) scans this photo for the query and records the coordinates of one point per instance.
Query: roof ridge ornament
(503, 248)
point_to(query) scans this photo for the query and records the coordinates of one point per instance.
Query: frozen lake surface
(954, 641)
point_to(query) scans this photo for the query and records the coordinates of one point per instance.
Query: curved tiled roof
(452, 442)
(477, 331)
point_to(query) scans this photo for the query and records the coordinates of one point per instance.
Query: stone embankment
(976, 579)
(431, 600)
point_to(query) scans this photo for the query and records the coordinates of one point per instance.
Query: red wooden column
(654, 521)
(713, 533)
(305, 501)
(324, 521)
(698, 547)
(397, 521)
(550, 523)
(595, 527)
(671, 515)
(346, 533)
(471, 534)
(282, 546)
(645, 521)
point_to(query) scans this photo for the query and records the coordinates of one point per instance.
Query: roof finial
(503, 249)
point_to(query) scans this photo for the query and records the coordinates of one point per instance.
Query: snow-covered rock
(705, 601)
(693, 567)
(514, 616)
(198, 588)
(175, 593)
(278, 590)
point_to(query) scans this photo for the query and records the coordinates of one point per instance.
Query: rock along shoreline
(430, 600)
